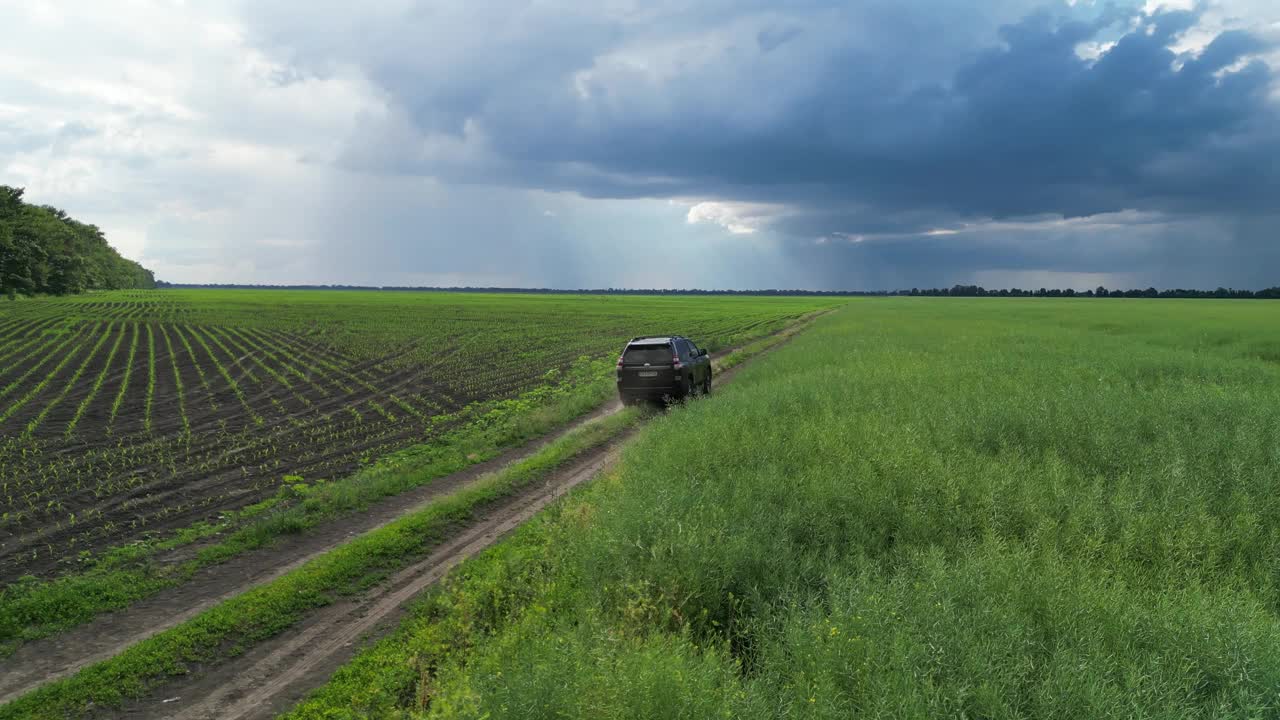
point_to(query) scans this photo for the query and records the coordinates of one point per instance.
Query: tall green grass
(918, 508)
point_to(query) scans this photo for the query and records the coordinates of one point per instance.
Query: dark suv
(668, 366)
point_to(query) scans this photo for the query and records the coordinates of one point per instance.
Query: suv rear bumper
(651, 393)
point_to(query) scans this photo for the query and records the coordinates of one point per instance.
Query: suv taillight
(675, 361)
(620, 362)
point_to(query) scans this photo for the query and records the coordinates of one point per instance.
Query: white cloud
(158, 122)
(739, 218)
(1093, 49)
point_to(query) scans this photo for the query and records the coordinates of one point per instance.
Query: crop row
(53, 501)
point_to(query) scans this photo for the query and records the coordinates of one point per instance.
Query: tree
(44, 250)
(67, 275)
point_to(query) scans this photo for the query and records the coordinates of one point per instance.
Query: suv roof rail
(652, 337)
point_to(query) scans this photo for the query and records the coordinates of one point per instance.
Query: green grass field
(916, 509)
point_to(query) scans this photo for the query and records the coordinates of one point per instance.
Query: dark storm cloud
(1201, 252)
(1026, 126)
(863, 125)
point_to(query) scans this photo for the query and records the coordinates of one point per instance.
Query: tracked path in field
(274, 676)
(46, 660)
(43, 661)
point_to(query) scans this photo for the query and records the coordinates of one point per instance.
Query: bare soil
(120, 482)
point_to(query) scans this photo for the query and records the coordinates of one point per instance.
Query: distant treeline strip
(1272, 293)
(44, 251)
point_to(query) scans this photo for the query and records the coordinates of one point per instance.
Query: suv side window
(682, 347)
(693, 349)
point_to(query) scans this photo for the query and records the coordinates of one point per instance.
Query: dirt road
(275, 675)
(277, 672)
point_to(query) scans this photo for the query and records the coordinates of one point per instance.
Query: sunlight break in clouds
(738, 218)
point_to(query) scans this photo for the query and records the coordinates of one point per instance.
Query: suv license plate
(648, 373)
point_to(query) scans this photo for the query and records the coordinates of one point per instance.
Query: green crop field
(131, 413)
(917, 509)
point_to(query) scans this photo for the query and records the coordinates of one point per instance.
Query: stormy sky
(875, 144)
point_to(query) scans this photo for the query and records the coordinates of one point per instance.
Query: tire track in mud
(272, 677)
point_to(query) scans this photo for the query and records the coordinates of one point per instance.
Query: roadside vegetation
(1050, 509)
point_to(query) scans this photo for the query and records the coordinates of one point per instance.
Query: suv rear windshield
(652, 354)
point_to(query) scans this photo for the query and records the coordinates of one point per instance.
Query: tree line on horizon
(43, 251)
(1272, 293)
(1221, 293)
